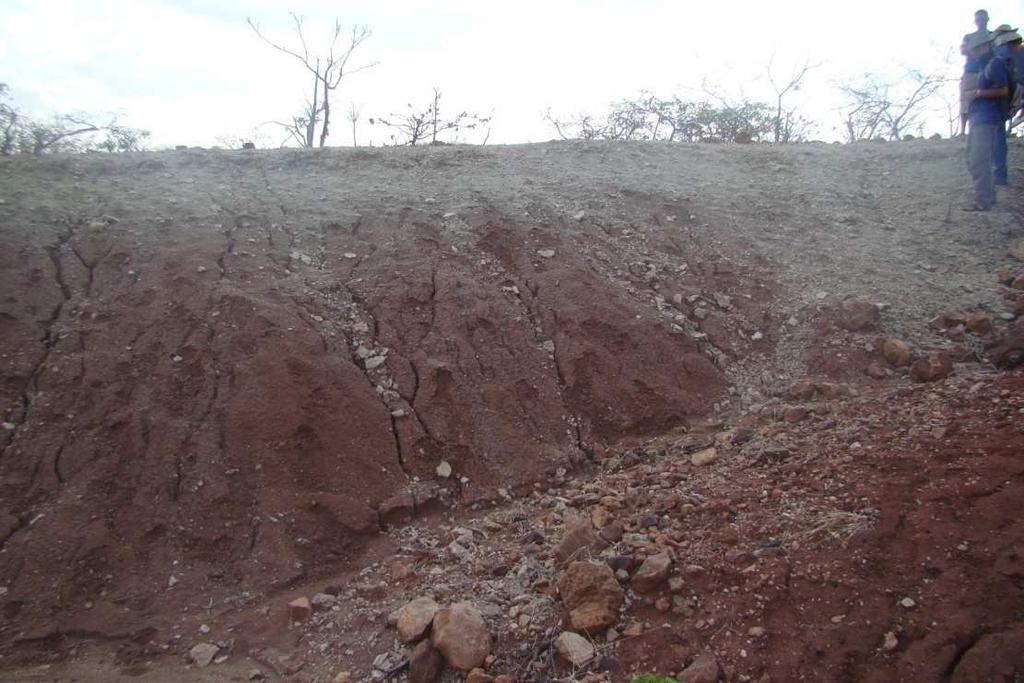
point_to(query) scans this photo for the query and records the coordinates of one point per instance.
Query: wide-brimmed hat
(978, 39)
(1008, 36)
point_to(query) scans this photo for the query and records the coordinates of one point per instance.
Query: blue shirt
(987, 110)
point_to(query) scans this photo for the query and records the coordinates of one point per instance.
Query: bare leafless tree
(63, 133)
(327, 71)
(353, 117)
(889, 108)
(789, 125)
(416, 125)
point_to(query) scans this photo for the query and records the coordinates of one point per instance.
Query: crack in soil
(31, 386)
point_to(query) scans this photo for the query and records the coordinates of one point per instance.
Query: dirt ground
(231, 379)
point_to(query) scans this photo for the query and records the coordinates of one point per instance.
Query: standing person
(985, 119)
(968, 84)
(969, 80)
(981, 22)
(1002, 39)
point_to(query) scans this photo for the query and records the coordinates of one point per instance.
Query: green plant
(652, 678)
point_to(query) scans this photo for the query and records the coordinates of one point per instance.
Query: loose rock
(415, 618)
(933, 367)
(896, 352)
(652, 573)
(574, 648)
(704, 669)
(425, 663)
(704, 457)
(461, 635)
(591, 595)
(856, 315)
(299, 609)
(203, 653)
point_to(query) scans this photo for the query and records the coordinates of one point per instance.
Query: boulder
(425, 663)
(651, 573)
(591, 595)
(461, 635)
(415, 618)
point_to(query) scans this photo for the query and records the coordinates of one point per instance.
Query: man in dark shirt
(985, 119)
(1007, 52)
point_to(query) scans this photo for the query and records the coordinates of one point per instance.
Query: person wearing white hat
(985, 119)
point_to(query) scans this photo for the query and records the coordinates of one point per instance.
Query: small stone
(299, 609)
(579, 538)
(578, 216)
(756, 631)
(611, 636)
(415, 618)
(908, 603)
(633, 630)
(374, 362)
(444, 470)
(203, 653)
(256, 675)
(176, 358)
(204, 629)
(704, 457)
(896, 352)
(890, 642)
(933, 367)
(856, 315)
(479, 676)
(704, 669)
(676, 584)
(461, 635)
(546, 253)
(651, 573)
(322, 602)
(201, 269)
(662, 604)
(574, 648)
(351, 255)
(979, 323)
(876, 371)
(9, 426)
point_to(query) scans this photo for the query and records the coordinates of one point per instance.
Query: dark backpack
(1011, 103)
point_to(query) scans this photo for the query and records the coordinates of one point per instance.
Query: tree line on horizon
(875, 108)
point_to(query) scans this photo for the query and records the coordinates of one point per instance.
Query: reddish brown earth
(229, 379)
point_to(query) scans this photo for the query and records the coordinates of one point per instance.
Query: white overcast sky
(191, 71)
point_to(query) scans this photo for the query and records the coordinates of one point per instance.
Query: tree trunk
(311, 124)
